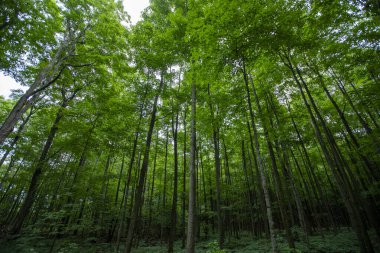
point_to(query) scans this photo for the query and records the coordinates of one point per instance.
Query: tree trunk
(17, 137)
(47, 76)
(173, 222)
(369, 164)
(153, 184)
(190, 241)
(215, 135)
(280, 188)
(31, 193)
(127, 183)
(261, 166)
(144, 169)
(184, 181)
(335, 162)
(264, 221)
(250, 202)
(163, 220)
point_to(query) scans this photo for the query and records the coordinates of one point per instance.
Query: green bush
(213, 247)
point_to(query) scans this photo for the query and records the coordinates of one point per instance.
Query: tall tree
(190, 241)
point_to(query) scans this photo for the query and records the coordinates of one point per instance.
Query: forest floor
(343, 241)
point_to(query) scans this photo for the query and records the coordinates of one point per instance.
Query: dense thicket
(206, 117)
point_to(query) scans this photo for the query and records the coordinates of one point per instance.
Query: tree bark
(215, 135)
(280, 188)
(183, 228)
(250, 201)
(261, 166)
(31, 193)
(17, 137)
(334, 160)
(129, 177)
(173, 222)
(47, 76)
(190, 241)
(144, 169)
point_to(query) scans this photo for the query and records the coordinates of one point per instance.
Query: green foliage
(342, 242)
(213, 247)
(279, 49)
(5, 107)
(27, 30)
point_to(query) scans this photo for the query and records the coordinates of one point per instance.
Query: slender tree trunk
(280, 188)
(163, 221)
(47, 76)
(366, 108)
(173, 224)
(17, 137)
(14, 207)
(151, 206)
(104, 195)
(119, 180)
(206, 217)
(260, 187)
(317, 189)
(300, 210)
(227, 170)
(127, 183)
(197, 226)
(335, 162)
(10, 184)
(360, 115)
(369, 164)
(190, 241)
(250, 202)
(350, 197)
(114, 220)
(31, 193)
(215, 134)
(228, 214)
(287, 171)
(6, 176)
(70, 200)
(184, 180)
(144, 169)
(362, 121)
(261, 166)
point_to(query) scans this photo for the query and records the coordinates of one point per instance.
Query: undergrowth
(343, 241)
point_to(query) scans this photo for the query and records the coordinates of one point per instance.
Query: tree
(65, 53)
(279, 102)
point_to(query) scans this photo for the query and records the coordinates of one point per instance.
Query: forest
(208, 126)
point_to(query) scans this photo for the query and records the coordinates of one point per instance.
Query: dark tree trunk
(215, 135)
(31, 193)
(127, 183)
(335, 161)
(250, 201)
(47, 76)
(17, 137)
(190, 241)
(261, 166)
(144, 169)
(173, 222)
(280, 188)
(184, 181)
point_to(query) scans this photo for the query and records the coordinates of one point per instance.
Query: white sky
(134, 9)
(7, 84)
